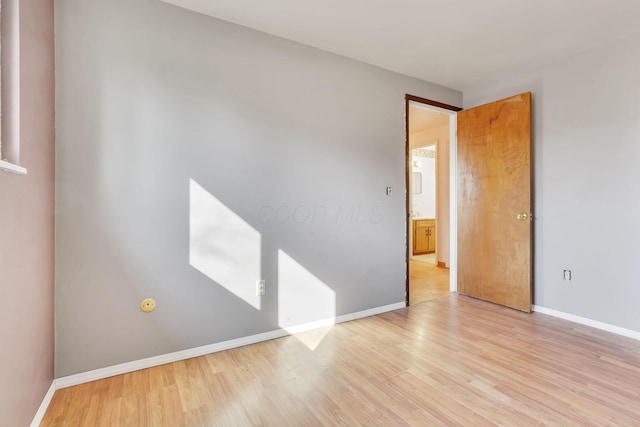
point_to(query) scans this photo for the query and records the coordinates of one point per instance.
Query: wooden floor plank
(448, 361)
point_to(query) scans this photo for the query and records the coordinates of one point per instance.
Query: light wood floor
(427, 282)
(450, 361)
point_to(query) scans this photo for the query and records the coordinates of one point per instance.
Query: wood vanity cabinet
(424, 236)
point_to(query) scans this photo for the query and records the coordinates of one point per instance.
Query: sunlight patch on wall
(304, 302)
(222, 245)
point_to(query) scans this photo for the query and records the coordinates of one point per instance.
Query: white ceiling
(455, 43)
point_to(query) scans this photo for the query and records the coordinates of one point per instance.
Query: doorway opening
(431, 207)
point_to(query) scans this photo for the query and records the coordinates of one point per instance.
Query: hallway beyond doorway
(427, 282)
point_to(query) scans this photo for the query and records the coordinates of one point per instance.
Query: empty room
(214, 213)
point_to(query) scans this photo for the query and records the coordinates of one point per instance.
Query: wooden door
(494, 195)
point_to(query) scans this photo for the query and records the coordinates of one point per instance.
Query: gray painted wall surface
(26, 228)
(587, 197)
(153, 101)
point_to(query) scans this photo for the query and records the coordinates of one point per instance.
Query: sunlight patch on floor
(304, 302)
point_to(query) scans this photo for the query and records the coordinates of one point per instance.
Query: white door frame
(453, 201)
(453, 189)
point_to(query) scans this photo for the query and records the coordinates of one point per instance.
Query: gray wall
(152, 98)
(587, 197)
(26, 227)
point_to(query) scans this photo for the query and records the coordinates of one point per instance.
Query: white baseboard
(371, 312)
(588, 322)
(37, 418)
(149, 362)
(123, 368)
(344, 318)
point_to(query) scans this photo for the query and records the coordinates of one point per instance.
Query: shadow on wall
(226, 249)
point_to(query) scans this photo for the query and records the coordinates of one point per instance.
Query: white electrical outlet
(261, 287)
(567, 275)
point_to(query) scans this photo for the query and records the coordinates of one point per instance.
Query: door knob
(524, 216)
